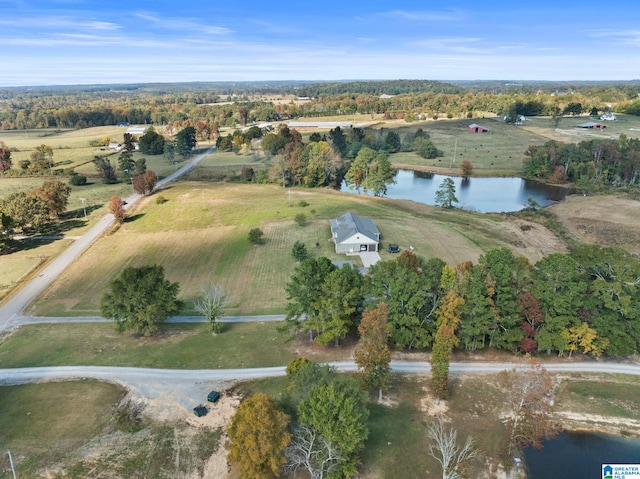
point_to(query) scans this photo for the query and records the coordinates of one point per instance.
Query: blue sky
(113, 41)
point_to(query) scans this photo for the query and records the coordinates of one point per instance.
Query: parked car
(200, 411)
(393, 248)
(213, 396)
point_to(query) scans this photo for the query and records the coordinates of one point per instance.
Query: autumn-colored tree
(145, 183)
(466, 168)
(372, 354)
(533, 318)
(258, 437)
(116, 208)
(528, 396)
(584, 339)
(448, 319)
(41, 158)
(5, 157)
(55, 194)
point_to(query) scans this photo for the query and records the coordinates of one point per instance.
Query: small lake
(579, 455)
(486, 195)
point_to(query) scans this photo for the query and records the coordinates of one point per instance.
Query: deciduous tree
(528, 396)
(258, 437)
(116, 208)
(5, 157)
(445, 449)
(55, 194)
(24, 212)
(372, 355)
(255, 236)
(105, 169)
(448, 319)
(139, 299)
(211, 304)
(466, 168)
(145, 183)
(312, 453)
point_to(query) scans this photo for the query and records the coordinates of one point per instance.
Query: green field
(175, 346)
(200, 236)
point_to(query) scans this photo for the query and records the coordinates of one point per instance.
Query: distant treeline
(389, 87)
(81, 107)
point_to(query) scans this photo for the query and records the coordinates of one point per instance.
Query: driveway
(369, 259)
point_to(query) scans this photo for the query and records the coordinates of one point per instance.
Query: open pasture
(200, 236)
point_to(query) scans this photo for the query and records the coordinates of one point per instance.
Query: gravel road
(10, 311)
(170, 393)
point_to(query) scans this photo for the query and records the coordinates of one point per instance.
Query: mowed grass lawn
(200, 236)
(174, 346)
(37, 417)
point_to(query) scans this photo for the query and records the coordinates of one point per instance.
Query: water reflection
(487, 195)
(579, 455)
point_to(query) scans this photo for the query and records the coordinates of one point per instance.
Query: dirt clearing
(604, 220)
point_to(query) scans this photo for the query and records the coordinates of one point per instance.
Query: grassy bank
(176, 346)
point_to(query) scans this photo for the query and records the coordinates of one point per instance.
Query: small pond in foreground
(483, 194)
(579, 455)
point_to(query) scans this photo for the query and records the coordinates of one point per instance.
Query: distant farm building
(384, 96)
(592, 125)
(353, 234)
(609, 117)
(137, 130)
(319, 124)
(475, 128)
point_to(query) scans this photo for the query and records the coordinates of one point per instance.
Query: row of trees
(587, 301)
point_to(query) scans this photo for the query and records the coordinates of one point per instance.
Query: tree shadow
(131, 219)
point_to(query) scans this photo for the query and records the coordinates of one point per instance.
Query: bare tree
(446, 450)
(211, 304)
(529, 395)
(310, 451)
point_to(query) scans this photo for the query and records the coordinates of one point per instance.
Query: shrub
(161, 200)
(295, 365)
(299, 251)
(78, 180)
(255, 236)
(301, 219)
(302, 203)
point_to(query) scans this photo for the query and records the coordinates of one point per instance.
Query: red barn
(474, 128)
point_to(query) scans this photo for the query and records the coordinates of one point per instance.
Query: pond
(486, 195)
(579, 455)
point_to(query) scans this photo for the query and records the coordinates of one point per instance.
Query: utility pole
(13, 469)
(453, 158)
(84, 206)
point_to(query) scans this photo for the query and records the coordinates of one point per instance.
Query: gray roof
(349, 224)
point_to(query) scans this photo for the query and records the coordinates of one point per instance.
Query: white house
(353, 234)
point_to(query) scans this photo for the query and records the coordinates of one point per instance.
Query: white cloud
(425, 16)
